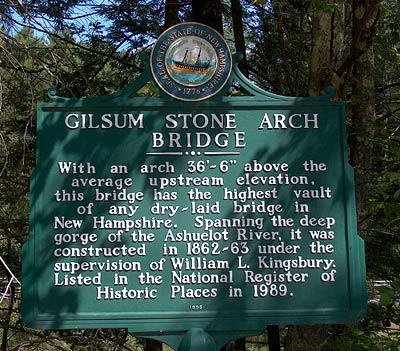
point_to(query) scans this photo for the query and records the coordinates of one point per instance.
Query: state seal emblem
(191, 62)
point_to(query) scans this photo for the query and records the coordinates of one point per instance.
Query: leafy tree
(208, 12)
(87, 48)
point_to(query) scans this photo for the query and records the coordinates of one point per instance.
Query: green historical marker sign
(195, 215)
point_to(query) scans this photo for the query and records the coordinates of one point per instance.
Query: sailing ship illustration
(192, 64)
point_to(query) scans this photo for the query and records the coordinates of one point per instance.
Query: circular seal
(191, 62)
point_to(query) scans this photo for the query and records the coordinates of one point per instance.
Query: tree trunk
(326, 50)
(307, 337)
(363, 113)
(171, 13)
(237, 23)
(208, 12)
(282, 47)
(320, 49)
(304, 338)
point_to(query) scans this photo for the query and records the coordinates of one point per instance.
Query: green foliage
(324, 5)
(61, 44)
(379, 330)
(356, 340)
(280, 42)
(260, 2)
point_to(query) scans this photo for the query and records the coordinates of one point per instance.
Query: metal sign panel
(169, 217)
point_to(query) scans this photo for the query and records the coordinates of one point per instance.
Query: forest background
(297, 48)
